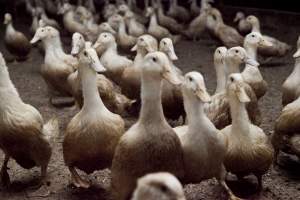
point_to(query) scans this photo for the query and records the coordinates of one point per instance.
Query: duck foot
(77, 180)
(42, 191)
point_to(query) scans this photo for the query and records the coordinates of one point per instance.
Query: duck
(69, 20)
(178, 12)
(110, 94)
(218, 110)
(135, 28)
(220, 68)
(244, 27)
(139, 16)
(94, 128)
(131, 81)
(168, 22)
(290, 89)
(57, 65)
(249, 149)
(228, 35)
(157, 30)
(160, 185)
(166, 46)
(24, 137)
(50, 22)
(109, 10)
(124, 40)
(105, 27)
(278, 48)
(194, 8)
(286, 130)
(150, 145)
(197, 25)
(200, 139)
(16, 42)
(251, 74)
(113, 62)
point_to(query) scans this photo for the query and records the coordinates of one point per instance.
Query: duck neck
(151, 111)
(239, 115)
(256, 27)
(122, 28)
(90, 92)
(10, 28)
(5, 82)
(221, 77)
(153, 20)
(112, 47)
(251, 51)
(52, 47)
(232, 67)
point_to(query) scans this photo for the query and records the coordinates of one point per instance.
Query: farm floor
(279, 183)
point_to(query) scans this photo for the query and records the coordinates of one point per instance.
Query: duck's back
(17, 44)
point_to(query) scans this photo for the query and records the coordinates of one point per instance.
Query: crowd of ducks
(125, 66)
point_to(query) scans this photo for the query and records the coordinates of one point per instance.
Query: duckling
(244, 26)
(200, 139)
(251, 74)
(166, 46)
(178, 12)
(278, 48)
(249, 150)
(167, 21)
(286, 132)
(218, 110)
(131, 82)
(94, 128)
(226, 34)
(109, 93)
(23, 135)
(125, 41)
(135, 28)
(57, 65)
(113, 62)
(16, 42)
(155, 29)
(150, 145)
(290, 87)
(161, 185)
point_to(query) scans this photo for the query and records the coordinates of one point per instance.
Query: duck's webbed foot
(77, 180)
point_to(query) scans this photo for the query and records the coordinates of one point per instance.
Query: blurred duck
(24, 136)
(226, 34)
(16, 42)
(135, 28)
(178, 12)
(139, 17)
(167, 21)
(200, 139)
(277, 49)
(244, 26)
(113, 62)
(251, 74)
(49, 22)
(290, 87)
(194, 8)
(57, 65)
(94, 128)
(161, 185)
(141, 149)
(109, 93)
(249, 150)
(227, 62)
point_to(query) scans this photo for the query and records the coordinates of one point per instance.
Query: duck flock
(122, 64)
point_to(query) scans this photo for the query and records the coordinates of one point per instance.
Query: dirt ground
(279, 183)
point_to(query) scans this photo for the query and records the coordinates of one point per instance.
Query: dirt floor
(279, 183)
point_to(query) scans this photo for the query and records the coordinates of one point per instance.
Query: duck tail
(51, 129)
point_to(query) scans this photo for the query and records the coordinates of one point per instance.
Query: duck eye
(231, 79)
(85, 53)
(42, 30)
(190, 79)
(253, 36)
(163, 188)
(236, 51)
(164, 43)
(105, 36)
(219, 51)
(154, 59)
(142, 39)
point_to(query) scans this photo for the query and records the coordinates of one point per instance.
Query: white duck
(113, 62)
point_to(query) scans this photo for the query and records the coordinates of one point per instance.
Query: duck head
(78, 44)
(252, 20)
(106, 28)
(220, 55)
(147, 43)
(194, 86)
(44, 33)
(236, 88)
(105, 40)
(149, 11)
(123, 8)
(166, 46)
(239, 16)
(238, 55)
(7, 18)
(90, 58)
(158, 64)
(255, 39)
(158, 186)
(297, 54)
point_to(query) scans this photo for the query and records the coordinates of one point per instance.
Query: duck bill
(35, 39)
(203, 95)
(297, 54)
(265, 43)
(236, 19)
(171, 53)
(75, 50)
(242, 95)
(134, 48)
(96, 45)
(172, 77)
